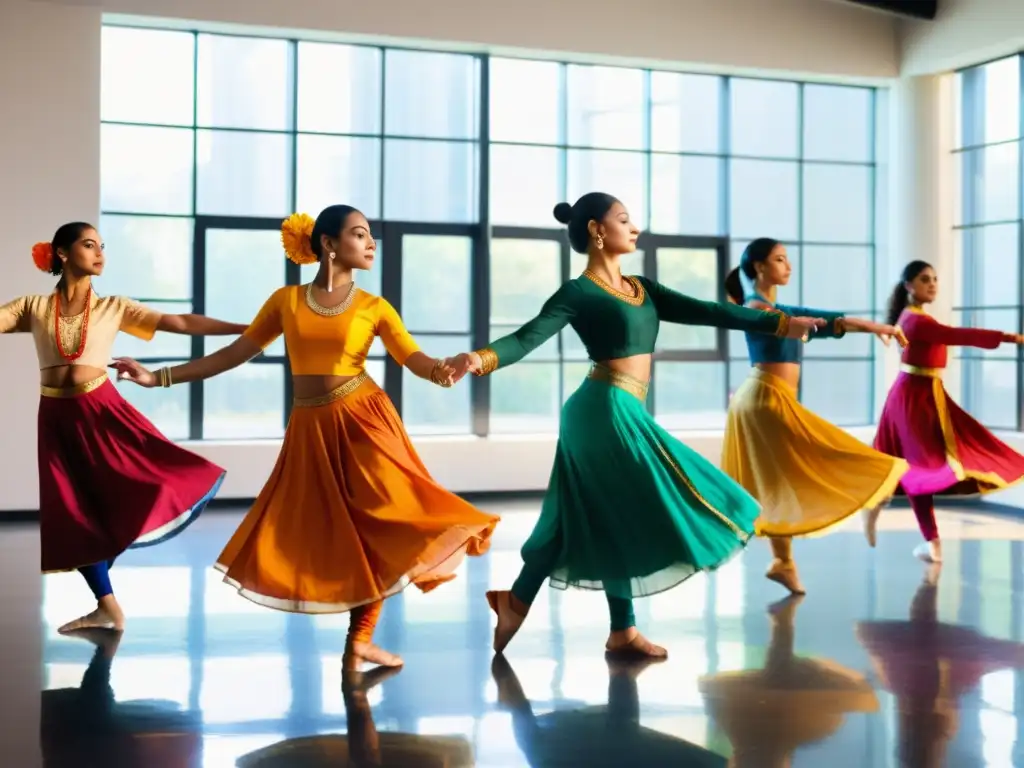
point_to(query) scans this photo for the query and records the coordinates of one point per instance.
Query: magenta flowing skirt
(108, 480)
(949, 452)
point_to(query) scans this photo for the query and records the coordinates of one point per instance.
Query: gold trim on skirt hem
(337, 393)
(991, 479)
(809, 475)
(76, 390)
(619, 380)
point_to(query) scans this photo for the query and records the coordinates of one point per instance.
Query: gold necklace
(638, 289)
(334, 311)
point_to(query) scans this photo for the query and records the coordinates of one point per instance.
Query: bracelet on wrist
(435, 375)
(164, 377)
(488, 361)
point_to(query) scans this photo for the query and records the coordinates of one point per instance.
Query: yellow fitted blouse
(330, 346)
(107, 316)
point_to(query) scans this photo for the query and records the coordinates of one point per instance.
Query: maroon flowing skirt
(108, 480)
(949, 452)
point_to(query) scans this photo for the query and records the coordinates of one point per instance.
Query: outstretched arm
(198, 325)
(554, 316)
(924, 328)
(675, 307)
(258, 335)
(406, 352)
(237, 352)
(13, 316)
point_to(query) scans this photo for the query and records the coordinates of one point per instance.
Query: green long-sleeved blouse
(613, 325)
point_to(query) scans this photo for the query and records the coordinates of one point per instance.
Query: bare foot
(510, 612)
(631, 644)
(786, 575)
(929, 551)
(358, 653)
(101, 618)
(870, 517)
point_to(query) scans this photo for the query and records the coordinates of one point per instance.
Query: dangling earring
(330, 277)
(599, 243)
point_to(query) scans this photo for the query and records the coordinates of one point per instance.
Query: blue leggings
(531, 578)
(97, 576)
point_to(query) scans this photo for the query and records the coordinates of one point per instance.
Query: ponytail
(898, 301)
(734, 287)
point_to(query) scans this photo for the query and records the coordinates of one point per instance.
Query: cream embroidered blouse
(107, 316)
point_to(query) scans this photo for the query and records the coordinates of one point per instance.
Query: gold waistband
(619, 380)
(75, 391)
(914, 370)
(337, 393)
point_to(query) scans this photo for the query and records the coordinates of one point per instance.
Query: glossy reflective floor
(883, 664)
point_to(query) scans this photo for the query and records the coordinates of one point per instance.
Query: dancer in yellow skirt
(807, 474)
(350, 514)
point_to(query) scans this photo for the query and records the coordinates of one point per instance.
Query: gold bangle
(164, 377)
(435, 378)
(488, 361)
(783, 329)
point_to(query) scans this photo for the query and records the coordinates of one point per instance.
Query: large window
(988, 231)
(209, 141)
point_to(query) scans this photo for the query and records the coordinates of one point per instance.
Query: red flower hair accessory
(42, 256)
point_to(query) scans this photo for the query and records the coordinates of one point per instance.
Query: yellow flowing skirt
(809, 475)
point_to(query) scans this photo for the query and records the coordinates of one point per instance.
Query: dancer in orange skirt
(350, 515)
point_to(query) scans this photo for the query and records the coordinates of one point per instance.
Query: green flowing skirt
(629, 509)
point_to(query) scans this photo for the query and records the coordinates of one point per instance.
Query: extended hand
(129, 370)
(802, 327)
(467, 362)
(889, 332)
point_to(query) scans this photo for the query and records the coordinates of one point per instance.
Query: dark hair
(63, 239)
(898, 300)
(757, 252)
(330, 222)
(593, 206)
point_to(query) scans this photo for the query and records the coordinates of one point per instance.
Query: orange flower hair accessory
(297, 238)
(42, 256)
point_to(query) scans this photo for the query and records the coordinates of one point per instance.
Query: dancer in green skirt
(629, 509)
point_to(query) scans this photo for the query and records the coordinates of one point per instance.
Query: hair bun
(563, 212)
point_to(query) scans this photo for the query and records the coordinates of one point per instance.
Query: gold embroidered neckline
(323, 311)
(638, 289)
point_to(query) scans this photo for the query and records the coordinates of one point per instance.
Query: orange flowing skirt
(350, 515)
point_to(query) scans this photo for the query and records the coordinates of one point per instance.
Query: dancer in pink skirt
(108, 480)
(949, 452)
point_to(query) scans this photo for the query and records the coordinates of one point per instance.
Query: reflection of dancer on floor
(596, 736)
(807, 474)
(629, 509)
(928, 666)
(350, 515)
(793, 701)
(108, 480)
(949, 452)
(77, 724)
(363, 746)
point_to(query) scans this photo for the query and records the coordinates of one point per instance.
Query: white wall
(49, 162)
(798, 36)
(965, 32)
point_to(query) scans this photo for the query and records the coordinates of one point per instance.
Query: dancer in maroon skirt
(108, 480)
(948, 451)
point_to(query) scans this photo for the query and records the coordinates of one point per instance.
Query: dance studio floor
(874, 667)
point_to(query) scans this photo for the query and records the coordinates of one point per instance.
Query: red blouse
(929, 339)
